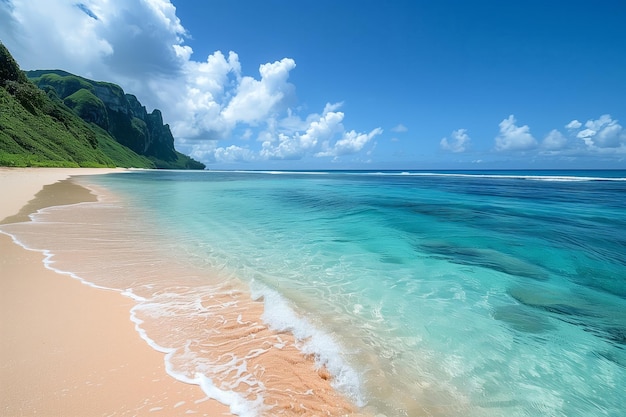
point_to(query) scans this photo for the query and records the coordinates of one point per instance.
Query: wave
(273, 172)
(478, 174)
(195, 321)
(560, 178)
(326, 351)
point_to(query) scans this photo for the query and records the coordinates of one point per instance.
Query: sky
(353, 84)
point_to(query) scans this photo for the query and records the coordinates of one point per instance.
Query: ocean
(447, 293)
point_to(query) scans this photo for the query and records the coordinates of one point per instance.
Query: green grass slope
(121, 115)
(37, 129)
(30, 136)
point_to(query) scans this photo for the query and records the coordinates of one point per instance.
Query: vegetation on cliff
(71, 121)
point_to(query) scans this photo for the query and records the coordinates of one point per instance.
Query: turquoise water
(446, 293)
(493, 293)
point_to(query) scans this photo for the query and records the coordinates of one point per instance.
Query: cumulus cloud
(141, 46)
(256, 99)
(205, 86)
(324, 135)
(293, 146)
(603, 136)
(513, 137)
(234, 153)
(574, 124)
(458, 142)
(603, 133)
(554, 140)
(351, 142)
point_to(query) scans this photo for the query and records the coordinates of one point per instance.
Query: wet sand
(68, 349)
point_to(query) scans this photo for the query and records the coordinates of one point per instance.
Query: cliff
(121, 115)
(38, 130)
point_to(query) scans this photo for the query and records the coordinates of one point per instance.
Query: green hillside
(69, 125)
(107, 106)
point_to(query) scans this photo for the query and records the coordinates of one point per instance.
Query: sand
(68, 349)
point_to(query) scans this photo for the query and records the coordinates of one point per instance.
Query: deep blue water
(449, 293)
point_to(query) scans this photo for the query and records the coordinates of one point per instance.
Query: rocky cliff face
(122, 115)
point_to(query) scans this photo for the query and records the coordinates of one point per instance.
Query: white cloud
(610, 136)
(554, 140)
(203, 151)
(351, 142)
(587, 137)
(234, 153)
(286, 145)
(199, 110)
(574, 124)
(254, 99)
(141, 46)
(603, 133)
(296, 145)
(318, 138)
(603, 136)
(40, 27)
(399, 128)
(513, 137)
(458, 142)
(597, 124)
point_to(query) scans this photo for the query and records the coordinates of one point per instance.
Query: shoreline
(70, 349)
(91, 352)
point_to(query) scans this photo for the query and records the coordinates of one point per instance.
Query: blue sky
(404, 84)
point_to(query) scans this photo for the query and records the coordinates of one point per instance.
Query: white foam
(130, 294)
(478, 174)
(237, 404)
(326, 351)
(558, 178)
(274, 172)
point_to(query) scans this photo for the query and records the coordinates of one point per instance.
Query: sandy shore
(68, 349)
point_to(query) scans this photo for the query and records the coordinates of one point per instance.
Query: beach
(76, 349)
(313, 293)
(69, 349)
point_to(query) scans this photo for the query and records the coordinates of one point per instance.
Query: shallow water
(481, 294)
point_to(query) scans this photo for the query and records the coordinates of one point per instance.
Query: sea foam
(327, 352)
